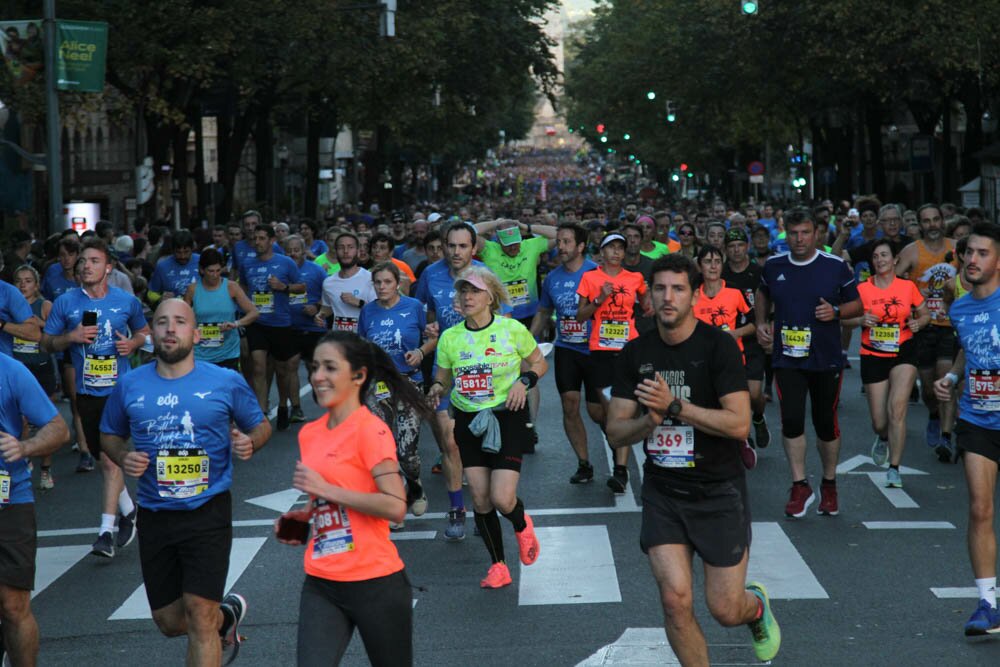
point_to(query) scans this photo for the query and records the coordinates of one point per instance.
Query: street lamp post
(52, 124)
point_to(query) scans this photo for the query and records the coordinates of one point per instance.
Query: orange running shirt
(614, 321)
(893, 306)
(346, 545)
(931, 272)
(722, 310)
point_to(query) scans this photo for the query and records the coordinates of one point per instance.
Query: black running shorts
(186, 551)
(876, 369)
(935, 344)
(18, 544)
(753, 359)
(276, 341)
(711, 517)
(574, 369)
(305, 344)
(603, 367)
(514, 432)
(978, 440)
(823, 390)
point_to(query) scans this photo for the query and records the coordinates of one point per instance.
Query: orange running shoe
(497, 577)
(527, 542)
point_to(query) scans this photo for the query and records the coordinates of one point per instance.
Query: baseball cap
(509, 236)
(737, 234)
(613, 236)
(433, 217)
(473, 278)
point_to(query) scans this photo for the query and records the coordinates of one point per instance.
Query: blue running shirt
(13, 308)
(98, 365)
(20, 394)
(436, 289)
(313, 275)
(182, 424)
(171, 276)
(559, 293)
(977, 323)
(273, 306)
(55, 283)
(396, 330)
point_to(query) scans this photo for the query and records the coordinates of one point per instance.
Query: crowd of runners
(672, 323)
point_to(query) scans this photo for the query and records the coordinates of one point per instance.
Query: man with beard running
(187, 420)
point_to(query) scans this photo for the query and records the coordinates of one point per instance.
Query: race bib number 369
(671, 446)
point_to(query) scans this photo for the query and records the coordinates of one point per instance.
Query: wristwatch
(674, 410)
(836, 312)
(525, 381)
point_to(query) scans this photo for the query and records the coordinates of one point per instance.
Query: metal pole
(52, 125)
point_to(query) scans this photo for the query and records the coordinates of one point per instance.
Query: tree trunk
(180, 176)
(973, 141)
(201, 192)
(263, 181)
(876, 161)
(233, 135)
(946, 161)
(314, 127)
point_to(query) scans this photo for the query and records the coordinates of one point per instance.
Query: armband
(951, 376)
(529, 379)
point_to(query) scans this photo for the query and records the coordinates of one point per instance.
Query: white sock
(125, 504)
(988, 590)
(107, 523)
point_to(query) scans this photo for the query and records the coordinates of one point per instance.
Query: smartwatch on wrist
(674, 410)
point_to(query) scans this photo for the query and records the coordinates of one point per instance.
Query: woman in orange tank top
(354, 576)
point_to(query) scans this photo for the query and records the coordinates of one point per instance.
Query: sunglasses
(686, 232)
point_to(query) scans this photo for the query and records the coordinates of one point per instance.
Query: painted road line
(909, 525)
(970, 592)
(899, 498)
(849, 466)
(244, 550)
(648, 646)
(305, 389)
(640, 458)
(575, 566)
(281, 501)
(776, 563)
(413, 535)
(53, 562)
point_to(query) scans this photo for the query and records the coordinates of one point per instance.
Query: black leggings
(823, 389)
(381, 609)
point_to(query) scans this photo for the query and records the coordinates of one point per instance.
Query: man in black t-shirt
(681, 389)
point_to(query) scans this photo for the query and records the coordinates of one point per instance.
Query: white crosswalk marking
(575, 566)
(970, 592)
(243, 551)
(53, 562)
(776, 563)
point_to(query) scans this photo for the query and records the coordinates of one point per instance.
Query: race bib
(211, 334)
(518, 292)
(571, 331)
(935, 305)
(100, 370)
(4, 487)
(475, 383)
(345, 324)
(297, 299)
(381, 391)
(613, 334)
(331, 530)
(984, 390)
(884, 337)
(181, 473)
(22, 346)
(795, 342)
(264, 301)
(671, 446)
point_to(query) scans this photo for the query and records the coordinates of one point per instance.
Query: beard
(179, 353)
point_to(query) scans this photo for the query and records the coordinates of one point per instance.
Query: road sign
(755, 168)
(827, 176)
(921, 153)
(756, 178)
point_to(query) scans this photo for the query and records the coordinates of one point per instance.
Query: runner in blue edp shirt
(15, 319)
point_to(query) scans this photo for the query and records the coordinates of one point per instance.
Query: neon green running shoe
(765, 630)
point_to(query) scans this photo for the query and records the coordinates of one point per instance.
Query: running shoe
(749, 455)
(297, 416)
(75, 447)
(419, 506)
(127, 528)
(799, 500)
(104, 546)
(893, 479)
(985, 620)
(880, 451)
(455, 532)
(618, 480)
(765, 630)
(946, 451)
(437, 469)
(527, 542)
(933, 433)
(395, 527)
(762, 436)
(584, 473)
(86, 463)
(497, 577)
(46, 482)
(234, 610)
(828, 500)
(282, 420)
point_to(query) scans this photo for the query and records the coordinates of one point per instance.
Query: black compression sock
(801, 482)
(829, 482)
(489, 530)
(516, 517)
(934, 415)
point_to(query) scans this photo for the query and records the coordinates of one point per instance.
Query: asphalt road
(869, 587)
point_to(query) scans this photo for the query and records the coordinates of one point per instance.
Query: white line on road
(909, 525)
(305, 389)
(848, 467)
(243, 551)
(53, 562)
(956, 593)
(899, 498)
(413, 535)
(776, 563)
(575, 566)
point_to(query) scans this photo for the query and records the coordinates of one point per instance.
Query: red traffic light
(684, 166)
(600, 128)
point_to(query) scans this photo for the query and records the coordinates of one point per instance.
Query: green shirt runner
(519, 274)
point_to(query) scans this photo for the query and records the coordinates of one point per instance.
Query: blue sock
(455, 497)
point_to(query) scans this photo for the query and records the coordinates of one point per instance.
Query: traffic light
(144, 184)
(684, 166)
(627, 136)
(675, 177)
(651, 95)
(600, 128)
(749, 6)
(799, 182)
(671, 111)
(604, 139)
